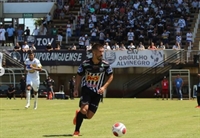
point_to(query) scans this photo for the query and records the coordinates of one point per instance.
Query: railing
(8, 57)
(142, 82)
(196, 27)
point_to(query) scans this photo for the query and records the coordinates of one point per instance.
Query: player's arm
(109, 80)
(38, 67)
(77, 82)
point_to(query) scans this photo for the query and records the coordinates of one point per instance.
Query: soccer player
(198, 95)
(32, 68)
(91, 75)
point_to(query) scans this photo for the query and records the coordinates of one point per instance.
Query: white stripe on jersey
(93, 81)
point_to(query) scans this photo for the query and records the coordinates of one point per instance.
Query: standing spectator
(178, 86)
(49, 86)
(71, 18)
(93, 34)
(87, 40)
(11, 92)
(54, 31)
(71, 87)
(27, 32)
(189, 37)
(182, 23)
(35, 31)
(165, 38)
(179, 38)
(81, 42)
(59, 39)
(48, 18)
(78, 29)
(2, 35)
(10, 33)
(42, 30)
(165, 88)
(130, 36)
(20, 35)
(69, 29)
(23, 87)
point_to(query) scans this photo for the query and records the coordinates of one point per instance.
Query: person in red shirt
(157, 92)
(165, 88)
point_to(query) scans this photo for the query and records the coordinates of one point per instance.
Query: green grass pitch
(144, 118)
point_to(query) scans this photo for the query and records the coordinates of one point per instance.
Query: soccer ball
(119, 129)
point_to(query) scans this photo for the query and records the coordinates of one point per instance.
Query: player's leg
(81, 114)
(35, 86)
(167, 93)
(28, 93)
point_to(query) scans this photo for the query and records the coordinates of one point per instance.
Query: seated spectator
(32, 47)
(141, 46)
(115, 47)
(57, 47)
(161, 46)
(176, 46)
(73, 47)
(49, 47)
(122, 47)
(152, 46)
(17, 47)
(11, 92)
(25, 47)
(89, 47)
(131, 46)
(107, 46)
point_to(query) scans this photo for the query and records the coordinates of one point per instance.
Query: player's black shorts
(91, 98)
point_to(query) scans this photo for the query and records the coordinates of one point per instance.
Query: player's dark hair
(96, 46)
(30, 52)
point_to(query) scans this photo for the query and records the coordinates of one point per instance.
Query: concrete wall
(15, 10)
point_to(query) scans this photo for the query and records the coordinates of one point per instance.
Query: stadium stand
(148, 20)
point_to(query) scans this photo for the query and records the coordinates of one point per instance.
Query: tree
(38, 21)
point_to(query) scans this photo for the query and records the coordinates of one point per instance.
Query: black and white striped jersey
(94, 74)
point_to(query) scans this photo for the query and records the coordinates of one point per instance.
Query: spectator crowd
(117, 24)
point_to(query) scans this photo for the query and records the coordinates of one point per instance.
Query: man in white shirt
(189, 37)
(35, 31)
(130, 36)
(32, 68)
(25, 47)
(2, 35)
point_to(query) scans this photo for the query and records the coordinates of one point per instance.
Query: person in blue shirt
(178, 85)
(10, 34)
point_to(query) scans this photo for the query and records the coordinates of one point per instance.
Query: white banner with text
(134, 58)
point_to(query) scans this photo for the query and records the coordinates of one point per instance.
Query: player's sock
(28, 94)
(79, 120)
(198, 100)
(35, 102)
